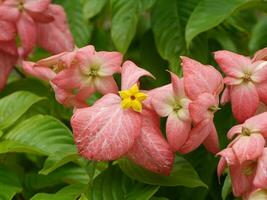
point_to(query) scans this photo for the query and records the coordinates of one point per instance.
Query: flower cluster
(26, 23)
(246, 155)
(126, 122)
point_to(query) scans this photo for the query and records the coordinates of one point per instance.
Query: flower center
(93, 72)
(213, 108)
(249, 168)
(245, 131)
(132, 98)
(20, 6)
(247, 77)
(177, 107)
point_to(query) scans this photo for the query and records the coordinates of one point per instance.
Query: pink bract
(246, 82)
(106, 131)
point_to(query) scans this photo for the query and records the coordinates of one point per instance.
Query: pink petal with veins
(245, 101)
(131, 74)
(150, 149)
(199, 78)
(105, 131)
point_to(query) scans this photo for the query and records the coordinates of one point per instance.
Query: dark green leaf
(71, 192)
(259, 35)
(78, 25)
(9, 184)
(125, 14)
(112, 184)
(208, 14)
(182, 174)
(168, 32)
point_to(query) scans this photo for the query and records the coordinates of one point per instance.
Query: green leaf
(78, 25)
(55, 161)
(112, 184)
(208, 14)
(14, 106)
(39, 134)
(92, 7)
(227, 187)
(125, 14)
(70, 174)
(168, 32)
(71, 192)
(146, 4)
(258, 35)
(182, 174)
(9, 184)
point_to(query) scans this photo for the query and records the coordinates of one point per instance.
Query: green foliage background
(38, 158)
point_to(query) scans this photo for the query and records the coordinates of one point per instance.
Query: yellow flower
(132, 98)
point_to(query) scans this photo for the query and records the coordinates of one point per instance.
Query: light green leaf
(168, 32)
(208, 14)
(182, 174)
(226, 190)
(14, 106)
(112, 184)
(125, 14)
(39, 134)
(78, 25)
(92, 7)
(146, 4)
(71, 192)
(259, 35)
(9, 184)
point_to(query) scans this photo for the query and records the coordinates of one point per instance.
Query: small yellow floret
(132, 98)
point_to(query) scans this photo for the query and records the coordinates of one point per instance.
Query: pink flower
(203, 84)
(171, 101)
(250, 140)
(246, 176)
(76, 75)
(8, 50)
(38, 21)
(246, 82)
(117, 126)
(259, 194)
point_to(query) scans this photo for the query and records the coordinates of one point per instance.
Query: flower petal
(258, 124)
(162, 100)
(234, 130)
(199, 109)
(6, 65)
(245, 101)
(231, 63)
(69, 78)
(9, 11)
(260, 55)
(130, 74)
(105, 131)
(199, 78)
(260, 180)
(7, 31)
(249, 147)
(197, 135)
(150, 149)
(27, 33)
(55, 36)
(111, 62)
(211, 143)
(36, 6)
(177, 85)
(43, 73)
(260, 73)
(177, 131)
(261, 89)
(225, 98)
(106, 85)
